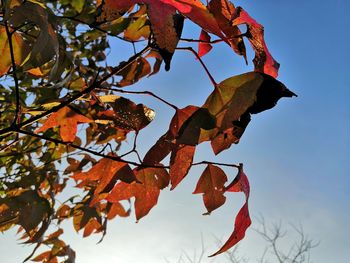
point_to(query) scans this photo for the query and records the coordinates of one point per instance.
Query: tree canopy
(56, 76)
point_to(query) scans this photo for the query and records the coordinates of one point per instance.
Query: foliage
(56, 77)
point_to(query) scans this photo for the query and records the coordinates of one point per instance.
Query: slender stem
(212, 41)
(14, 74)
(98, 28)
(220, 164)
(202, 63)
(140, 92)
(202, 41)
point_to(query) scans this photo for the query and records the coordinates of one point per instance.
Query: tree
(56, 76)
(297, 250)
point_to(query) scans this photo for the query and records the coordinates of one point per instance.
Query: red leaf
(180, 163)
(242, 221)
(67, 120)
(211, 184)
(167, 27)
(240, 184)
(263, 60)
(203, 47)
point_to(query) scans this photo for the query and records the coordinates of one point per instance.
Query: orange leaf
(91, 226)
(211, 184)
(45, 256)
(146, 192)
(67, 120)
(106, 172)
(116, 209)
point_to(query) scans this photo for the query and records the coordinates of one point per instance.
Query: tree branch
(71, 98)
(140, 92)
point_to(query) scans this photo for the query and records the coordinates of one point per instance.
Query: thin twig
(202, 63)
(140, 92)
(98, 29)
(14, 70)
(220, 164)
(71, 98)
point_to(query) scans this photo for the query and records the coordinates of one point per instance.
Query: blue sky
(296, 155)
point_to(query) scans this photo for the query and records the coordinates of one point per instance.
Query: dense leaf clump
(56, 79)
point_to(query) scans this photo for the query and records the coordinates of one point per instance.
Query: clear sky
(297, 155)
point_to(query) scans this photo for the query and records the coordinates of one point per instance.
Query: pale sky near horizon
(297, 155)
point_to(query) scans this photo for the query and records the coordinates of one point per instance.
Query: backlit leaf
(204, 47)
(67, 120)
(180, 163)
(263, 61)
(20, 50)
(235, 98)
(242, 221)
(145, 192)
(211, 184)
(105, 174)
(225, 12)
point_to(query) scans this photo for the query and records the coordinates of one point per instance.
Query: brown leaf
(211, 184)
(180, 163)
(128, 116)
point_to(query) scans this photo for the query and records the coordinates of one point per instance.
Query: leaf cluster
(62, 105)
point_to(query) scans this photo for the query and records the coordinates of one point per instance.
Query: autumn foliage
(56, 79)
